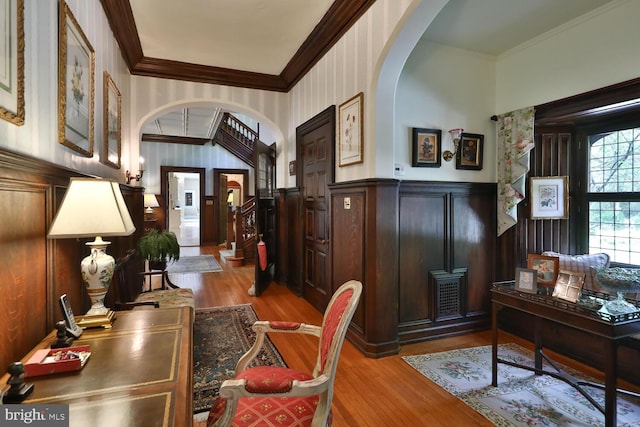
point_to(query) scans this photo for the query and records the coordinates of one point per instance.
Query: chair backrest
(335, 323)
(130, 281)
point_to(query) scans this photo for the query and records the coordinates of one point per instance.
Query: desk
(608, 329)
(139, 373)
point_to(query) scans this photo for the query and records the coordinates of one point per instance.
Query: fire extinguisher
(262, 253)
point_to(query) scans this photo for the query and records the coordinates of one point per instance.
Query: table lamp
(150, 201)
(94, 207)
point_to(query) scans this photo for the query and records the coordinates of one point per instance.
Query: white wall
(443, 88)
(39, 135)
(591, 52)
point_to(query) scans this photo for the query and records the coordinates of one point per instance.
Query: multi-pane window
(613, 194)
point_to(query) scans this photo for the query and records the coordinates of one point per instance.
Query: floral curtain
(515, 141)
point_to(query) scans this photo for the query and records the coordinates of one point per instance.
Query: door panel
(315, 149)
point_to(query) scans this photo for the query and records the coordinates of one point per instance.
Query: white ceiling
(263, 35)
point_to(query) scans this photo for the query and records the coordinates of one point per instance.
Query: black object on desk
(18, 390)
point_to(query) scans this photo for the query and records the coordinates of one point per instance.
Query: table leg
(494, 344)
(611, 384)
(538, 346)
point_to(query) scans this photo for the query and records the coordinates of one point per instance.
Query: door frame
(164, 174)
(220, 199)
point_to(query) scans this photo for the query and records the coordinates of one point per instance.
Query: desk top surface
(139, 370)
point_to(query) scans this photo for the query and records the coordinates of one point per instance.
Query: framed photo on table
(526, 280)
(76, 85)
(350, 115)
(547, 268)
(549, 197)
(12, 61)
(425, 148)
(469, 153)
(568, 285)
(112, 125)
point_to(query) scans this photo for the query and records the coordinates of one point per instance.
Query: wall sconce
(455, 136)
(138, 176)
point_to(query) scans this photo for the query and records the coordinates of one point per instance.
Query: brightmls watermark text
(34, 415)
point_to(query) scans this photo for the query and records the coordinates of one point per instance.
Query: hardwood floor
(368, 392)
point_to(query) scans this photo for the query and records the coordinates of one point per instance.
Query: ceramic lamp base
(97, 271)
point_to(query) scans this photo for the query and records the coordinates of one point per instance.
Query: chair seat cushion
(269, 411)
(170, 298)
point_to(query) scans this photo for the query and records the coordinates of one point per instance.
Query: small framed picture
(546, 267)
(426, 146)
(568, 285)
(526, 280)
(469, 153)
(549, 197)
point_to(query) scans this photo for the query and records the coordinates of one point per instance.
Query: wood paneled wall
(34, 270)
(425, 252)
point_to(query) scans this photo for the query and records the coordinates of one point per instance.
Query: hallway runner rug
(221, 335)
(194, 264)
(521, 398)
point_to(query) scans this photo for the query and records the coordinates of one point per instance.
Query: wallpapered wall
(39, 135)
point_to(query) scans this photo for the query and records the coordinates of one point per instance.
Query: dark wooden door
(265, 186)
(315, 141)
(223, 209)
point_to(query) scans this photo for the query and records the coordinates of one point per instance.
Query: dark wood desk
(139, 372)
(608, 329)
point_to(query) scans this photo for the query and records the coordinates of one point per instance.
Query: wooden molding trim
(150, 137)
(339, 18)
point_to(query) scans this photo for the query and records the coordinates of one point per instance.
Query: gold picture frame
(350, 114)
(12, 60)
(76, 85)
(549, 197)
(112, 123)
(568, 285)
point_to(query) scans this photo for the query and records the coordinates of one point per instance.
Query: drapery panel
(515, 140)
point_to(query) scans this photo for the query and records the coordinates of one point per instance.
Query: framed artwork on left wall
(12, 61)
(76, 85)
(112, 126)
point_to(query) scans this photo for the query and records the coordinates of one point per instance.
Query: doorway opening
(182, 192)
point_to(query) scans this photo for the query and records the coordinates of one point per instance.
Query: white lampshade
(94, 207)
(150, 201)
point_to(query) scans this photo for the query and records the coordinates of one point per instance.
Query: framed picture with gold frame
(425, 148)
(12, 61)
(549, 197)
(547, 268)
(112, 125)
(76, 85)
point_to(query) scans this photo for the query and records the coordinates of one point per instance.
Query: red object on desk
(39, 365)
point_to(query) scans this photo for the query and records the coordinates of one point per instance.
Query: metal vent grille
(449, 303)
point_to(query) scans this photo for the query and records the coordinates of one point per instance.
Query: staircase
(236, 138)
(241, 250)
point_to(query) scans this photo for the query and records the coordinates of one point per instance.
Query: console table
(139, 372)
(608, 329)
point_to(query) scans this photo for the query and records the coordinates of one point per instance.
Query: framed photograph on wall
(426, 145)
(350, 126)
(568, 285)
(112, 126)
(526, 280)
(547, 268)
(12, 61)
(469, 153)
(549, 197)
(76, 85)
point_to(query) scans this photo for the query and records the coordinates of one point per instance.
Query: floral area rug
(194, 264)
(521, 398)
(221, 336)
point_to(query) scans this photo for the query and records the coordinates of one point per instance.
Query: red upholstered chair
(277, 396)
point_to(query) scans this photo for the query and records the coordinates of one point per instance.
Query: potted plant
(159, 247)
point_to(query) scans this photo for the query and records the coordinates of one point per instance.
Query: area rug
(194, 264)
(220, 336)
(521, 398)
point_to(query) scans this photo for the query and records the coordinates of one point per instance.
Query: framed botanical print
(12, 61)
(549, 197)
(76, 82)
(425, 148)
(469, 153)
(350, 125)
(112, 126)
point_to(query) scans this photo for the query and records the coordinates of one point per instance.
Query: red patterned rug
(221, 336)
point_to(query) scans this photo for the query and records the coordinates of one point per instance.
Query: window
(612, 194)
